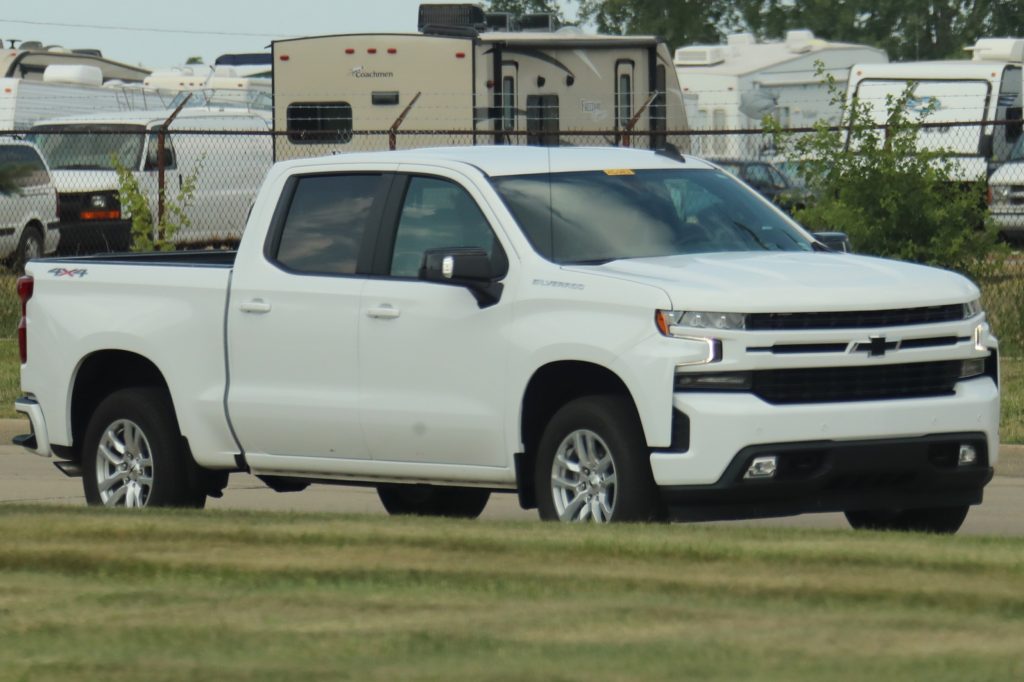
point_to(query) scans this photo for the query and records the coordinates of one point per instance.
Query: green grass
(89, 594)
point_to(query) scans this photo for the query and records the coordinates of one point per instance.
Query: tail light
(25, 287)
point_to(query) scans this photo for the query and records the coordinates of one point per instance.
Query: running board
(69, 469)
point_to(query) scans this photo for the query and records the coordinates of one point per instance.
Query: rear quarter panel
(170, 315)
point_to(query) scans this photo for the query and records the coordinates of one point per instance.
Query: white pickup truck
(613, 334)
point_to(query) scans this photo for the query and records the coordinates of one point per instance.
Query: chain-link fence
(99, 175)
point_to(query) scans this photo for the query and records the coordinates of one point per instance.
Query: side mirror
(985, 147)
(468, 267)
(835, 241)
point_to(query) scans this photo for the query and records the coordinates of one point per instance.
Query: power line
(150, 30)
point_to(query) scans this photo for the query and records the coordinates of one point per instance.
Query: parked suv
(28, 212)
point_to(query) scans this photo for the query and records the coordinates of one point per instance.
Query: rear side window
(313, 122)
(326, 223)
(26, 166)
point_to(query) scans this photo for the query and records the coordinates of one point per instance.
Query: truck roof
(497, 161)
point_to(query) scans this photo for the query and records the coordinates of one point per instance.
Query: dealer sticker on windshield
(618, 171)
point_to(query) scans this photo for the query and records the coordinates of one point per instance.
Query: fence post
(628, 128)
(161, 162)
(393, 131)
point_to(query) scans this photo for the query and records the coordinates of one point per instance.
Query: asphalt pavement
(28, 478)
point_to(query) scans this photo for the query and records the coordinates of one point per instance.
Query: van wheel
(30, 246)
(433, 500)
(133, 454)
(593, 465)
(945, 520)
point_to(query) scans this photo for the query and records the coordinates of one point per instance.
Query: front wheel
(593, 464)
(433, 500)
(29, 247)
(944, 520)
(133, 454)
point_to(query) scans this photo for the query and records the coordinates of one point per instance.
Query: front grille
(843, 384)
(855, 319)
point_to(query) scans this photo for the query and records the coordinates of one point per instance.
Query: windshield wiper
(752, 235)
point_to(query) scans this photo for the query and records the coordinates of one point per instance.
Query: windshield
(600, 216)
(89, 146)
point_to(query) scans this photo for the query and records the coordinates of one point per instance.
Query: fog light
(968, 455)
(764, 467)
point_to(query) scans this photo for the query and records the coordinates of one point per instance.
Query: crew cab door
(432, 362)
(294, 316)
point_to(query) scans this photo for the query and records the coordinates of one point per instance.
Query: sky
(166, 34)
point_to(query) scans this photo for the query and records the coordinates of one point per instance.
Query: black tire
(29, 246)
(944, 520)
(157, 474)
(608, 426)
(433, 500)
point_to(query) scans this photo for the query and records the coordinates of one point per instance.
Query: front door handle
(385, 311)
(257, 305)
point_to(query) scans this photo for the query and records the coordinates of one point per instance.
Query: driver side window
(436, 214)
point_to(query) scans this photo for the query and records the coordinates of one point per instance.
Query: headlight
(667, 319)
(1000, 193)
(98, 201)
(972, 308)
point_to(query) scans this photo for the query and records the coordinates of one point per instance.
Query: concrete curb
(1011, 457)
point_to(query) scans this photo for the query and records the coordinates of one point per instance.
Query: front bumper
(830, 476)
(99, 236)
(723, 424)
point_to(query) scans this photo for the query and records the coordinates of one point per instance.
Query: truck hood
(762, 282)
(77, 181)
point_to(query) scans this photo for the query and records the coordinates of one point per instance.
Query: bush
(148, 234)
(892, 198)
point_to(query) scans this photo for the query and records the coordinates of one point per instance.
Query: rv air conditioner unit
(461, 15)
(799, 41)
(76, 74)
(538, 22)
(998, 50)
(700, 55)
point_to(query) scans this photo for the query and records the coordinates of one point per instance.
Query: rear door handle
(384, 311)
(258, 306)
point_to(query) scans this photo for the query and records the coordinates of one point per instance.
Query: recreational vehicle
(30, 59)
(972, 92)
(738, 83)
(227, 150)
(455, 85)
(65, 90)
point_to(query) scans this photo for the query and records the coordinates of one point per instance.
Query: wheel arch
(101, 373)
(550, 387)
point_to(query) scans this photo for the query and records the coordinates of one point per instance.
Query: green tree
(518, 7)
(148, 233)
(891, 197)
(680, 22)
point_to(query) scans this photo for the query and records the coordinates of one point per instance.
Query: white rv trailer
(65, 90)
(738, 83)
(228, 148)
(503, 87)
(985, 88)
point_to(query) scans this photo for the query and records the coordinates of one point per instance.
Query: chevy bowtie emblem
(876, 346)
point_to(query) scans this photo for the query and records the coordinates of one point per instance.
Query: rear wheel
(946, 520)
(133, 454)
(433, 500)
(29, 246)
(593, 465)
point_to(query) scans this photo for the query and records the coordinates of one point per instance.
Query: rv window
(436, 214)
(659, 110)
(317, 122)
(508, 103)
(323, 232)
(542, 120)
(623, 100)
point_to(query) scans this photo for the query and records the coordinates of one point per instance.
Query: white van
(228, 149)
(28, 215)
